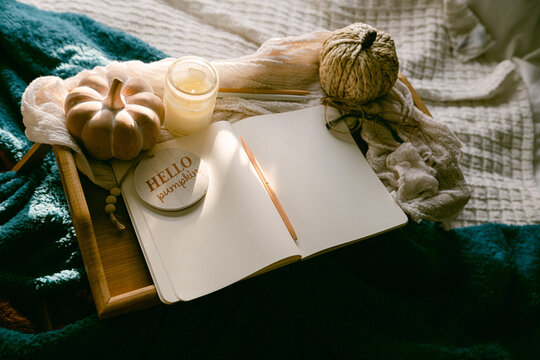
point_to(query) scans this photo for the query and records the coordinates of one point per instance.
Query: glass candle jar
(191, 88)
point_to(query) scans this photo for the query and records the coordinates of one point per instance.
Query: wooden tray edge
(106, 305)
(134, 300)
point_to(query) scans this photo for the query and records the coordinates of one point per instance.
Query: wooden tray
(114, 263)
(116, 269)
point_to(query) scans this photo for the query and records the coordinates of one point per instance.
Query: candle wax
(185, 115)
(193, 85)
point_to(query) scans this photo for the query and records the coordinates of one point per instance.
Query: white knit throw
(485, 103)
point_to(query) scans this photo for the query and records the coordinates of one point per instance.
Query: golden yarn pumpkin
(358, 64)
(113, 115)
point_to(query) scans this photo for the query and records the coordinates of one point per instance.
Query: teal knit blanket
(417, 292)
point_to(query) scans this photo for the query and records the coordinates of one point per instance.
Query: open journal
(326, 187)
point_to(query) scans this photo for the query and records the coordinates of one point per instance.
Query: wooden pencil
(269, 190)
(265, 91)
(264, 94)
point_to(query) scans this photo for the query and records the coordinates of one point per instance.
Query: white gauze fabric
(416, 157)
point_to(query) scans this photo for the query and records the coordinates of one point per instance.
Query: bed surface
(418, 292)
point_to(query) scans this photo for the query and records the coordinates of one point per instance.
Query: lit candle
(191, 87)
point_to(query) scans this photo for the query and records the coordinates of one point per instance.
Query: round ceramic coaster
(171, 179)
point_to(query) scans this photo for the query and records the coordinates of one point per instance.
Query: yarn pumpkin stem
(369, 39)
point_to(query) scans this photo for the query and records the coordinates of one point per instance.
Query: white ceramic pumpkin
(113, 115)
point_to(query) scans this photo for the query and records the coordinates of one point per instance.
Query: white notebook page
(329, 191)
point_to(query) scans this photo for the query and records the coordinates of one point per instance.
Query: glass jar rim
(198, 60)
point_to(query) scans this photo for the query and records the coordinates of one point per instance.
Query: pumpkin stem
(369, 39)
(114, 98)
